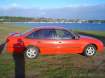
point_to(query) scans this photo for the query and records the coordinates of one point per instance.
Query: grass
(53, 66)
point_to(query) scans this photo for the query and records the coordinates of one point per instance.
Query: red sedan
(52, 40)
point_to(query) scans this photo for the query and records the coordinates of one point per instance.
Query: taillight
(20, 41)
(7, 40)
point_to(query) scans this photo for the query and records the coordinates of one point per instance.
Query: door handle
(38, 41)
(59, 42)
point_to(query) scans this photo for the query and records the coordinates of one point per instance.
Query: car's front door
(66, 43)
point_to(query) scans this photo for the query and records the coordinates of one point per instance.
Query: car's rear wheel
(90, 50)
(32, 52)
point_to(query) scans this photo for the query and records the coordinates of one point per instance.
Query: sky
(79, 9)
(49, 3)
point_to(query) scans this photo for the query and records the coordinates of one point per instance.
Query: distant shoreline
(54, 22)
(11, 19)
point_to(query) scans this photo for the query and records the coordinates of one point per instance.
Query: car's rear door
(44, 40)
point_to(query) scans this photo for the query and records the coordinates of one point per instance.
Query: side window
(63, 34)
(43, 34)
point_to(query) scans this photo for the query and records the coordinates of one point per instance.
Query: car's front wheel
(31, 52)
(90, 50)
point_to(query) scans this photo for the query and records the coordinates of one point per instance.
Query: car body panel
(18, 43)
(45, 46)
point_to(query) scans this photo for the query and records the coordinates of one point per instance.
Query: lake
(73, 26)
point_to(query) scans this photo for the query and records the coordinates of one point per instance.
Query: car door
(44, 40)
(67, 43)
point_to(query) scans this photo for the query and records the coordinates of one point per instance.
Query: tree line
(30, 19)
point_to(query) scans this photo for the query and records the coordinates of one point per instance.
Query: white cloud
(10, 6)
(14, 5)
(82, 12)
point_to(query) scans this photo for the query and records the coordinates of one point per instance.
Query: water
(73, 26)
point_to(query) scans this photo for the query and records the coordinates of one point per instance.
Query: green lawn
(55, 66)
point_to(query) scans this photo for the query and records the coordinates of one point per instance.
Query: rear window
(43, 34)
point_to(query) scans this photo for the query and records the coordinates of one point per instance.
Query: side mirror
(76, 36)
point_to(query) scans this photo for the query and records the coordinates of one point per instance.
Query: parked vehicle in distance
(52, 40)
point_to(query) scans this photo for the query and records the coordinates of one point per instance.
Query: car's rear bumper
(15, 49)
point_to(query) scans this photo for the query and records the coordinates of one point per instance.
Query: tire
(89, 50)
(32, 52)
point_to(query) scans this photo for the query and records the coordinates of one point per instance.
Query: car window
(43, 34)
(63, 34)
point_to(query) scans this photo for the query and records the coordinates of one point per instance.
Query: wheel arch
(33, 46)
(91, 44)
(30, 56)
(94, 45)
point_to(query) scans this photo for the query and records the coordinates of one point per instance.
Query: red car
(52, 40)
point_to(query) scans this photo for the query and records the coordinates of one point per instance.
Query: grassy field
(55, 66)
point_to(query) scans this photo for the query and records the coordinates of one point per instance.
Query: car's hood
(84, 36)
(89, 38)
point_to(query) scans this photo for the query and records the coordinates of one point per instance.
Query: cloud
(78, 12)
(14, 5)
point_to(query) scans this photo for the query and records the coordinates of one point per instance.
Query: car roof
(49, 27)
(46, 27)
